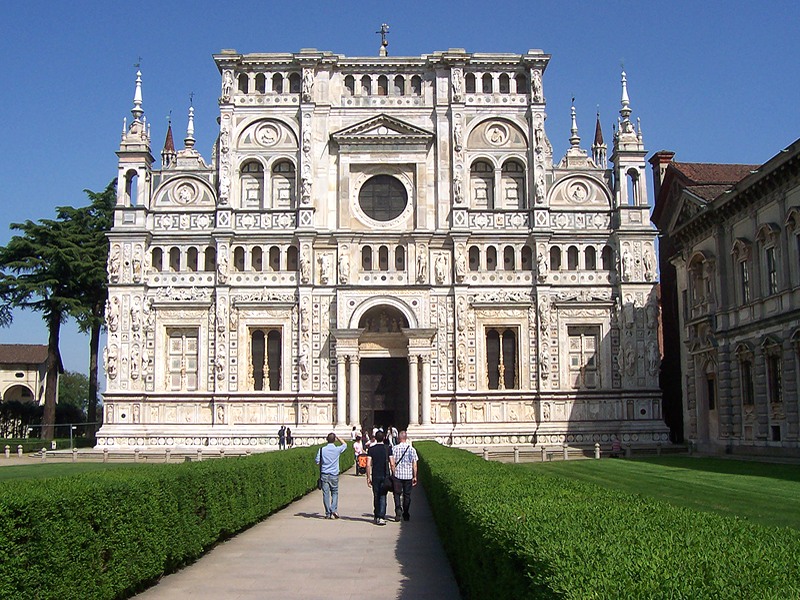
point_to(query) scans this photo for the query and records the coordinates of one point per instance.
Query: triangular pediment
(382, 129)
(689, 206)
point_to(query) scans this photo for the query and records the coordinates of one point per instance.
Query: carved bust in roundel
(580, 192)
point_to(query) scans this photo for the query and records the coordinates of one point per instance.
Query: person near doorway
(353, 434)
(377, 471)
(289, 438)
(403, 463)
(328, 459)
(358, 450)
(282, 438)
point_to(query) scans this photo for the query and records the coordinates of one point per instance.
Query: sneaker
(335, 515)
(381, 522)
(397, 515)
(406, 517)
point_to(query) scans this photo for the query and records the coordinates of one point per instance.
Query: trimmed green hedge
(108, 534)
(36, 444)
(543, 536)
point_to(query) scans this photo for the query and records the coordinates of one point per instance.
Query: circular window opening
(383, 198)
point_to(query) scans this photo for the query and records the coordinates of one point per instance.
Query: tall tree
(36, 272)
(87, 241)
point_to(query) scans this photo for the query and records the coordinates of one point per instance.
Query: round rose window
(383, 198)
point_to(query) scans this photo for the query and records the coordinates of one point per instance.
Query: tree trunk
(94, 348)
(52, 367)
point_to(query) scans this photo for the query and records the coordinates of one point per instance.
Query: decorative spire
(625, 111)
(188, 141)
(137, 110)
(574, 139)
(599, 148)
(168, 153)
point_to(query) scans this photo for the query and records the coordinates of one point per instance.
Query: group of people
(285, 437)
(391, 467)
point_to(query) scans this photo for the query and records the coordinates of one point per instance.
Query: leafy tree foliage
(73, 390)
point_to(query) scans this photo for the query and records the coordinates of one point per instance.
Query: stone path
(297, 554)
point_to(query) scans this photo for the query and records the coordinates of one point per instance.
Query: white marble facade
(382, 239)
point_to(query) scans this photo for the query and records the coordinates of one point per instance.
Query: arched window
(399, 85)
(383, 86)
(291, 258)
(487, 83)
(469, 83)
(265, 360)
(555, 258)
(505, 83)
(508, 258)
(277, 83)
(513, 184)
(157, 259)
(522, 84)
(131, 188)
(283, 184)
(366, 85)
(501, 359)
(481, 175)
(350, 85)
(608, 258)
(590, 258)
(491, 258)
(238, 258)
(252, 182)
(244, 83)
(174, 259)
(474, 258)
(633, 187)
(399, 258)
(572, 258)
(527, 258)
(383, 258)
(416, 85)
(295, 83)
(274, 258)
(211, 259)
(261, 83)
(257, 259)
(383, 198)
(191, 259)
(366, 258)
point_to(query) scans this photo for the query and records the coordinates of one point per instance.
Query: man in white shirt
(403, 464)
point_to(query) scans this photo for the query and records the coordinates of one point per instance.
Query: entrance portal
(384, 392)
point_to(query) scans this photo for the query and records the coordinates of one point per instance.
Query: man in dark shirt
(377, 471)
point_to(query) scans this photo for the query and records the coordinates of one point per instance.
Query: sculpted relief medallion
(497, 134)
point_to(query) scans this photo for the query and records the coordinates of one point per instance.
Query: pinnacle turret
(168, 153)
(188, 141)
(599, 148)
(574, 139)
(137, 111)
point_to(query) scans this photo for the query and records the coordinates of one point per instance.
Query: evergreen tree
(36, 272)
(87, 240)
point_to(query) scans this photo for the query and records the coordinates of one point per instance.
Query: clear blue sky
(713, 81)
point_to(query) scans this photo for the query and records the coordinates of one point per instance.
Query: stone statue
(462, 413)
(461, 264)
(458, 137)
(458, 85)
(630, 359)
(136, 313)
(422, 265)
(440, 268)
(652, 358)
(324, 269)
(541, 265)
(302, 363)
(137, 263)
(540, 189)
(222, 265)
(135, 361)
(112, 313)
(305, 269)
(649, 265)
(110, 359)
(458, 190)
(536, 86)
(627, 265)
(114, 263)
(544, 315)
(308, 84)
(227, 85)
(461, 364)
(344, 266)
(651, 315)
(305, 190)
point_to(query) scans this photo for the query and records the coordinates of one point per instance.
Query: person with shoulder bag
(378, 477)
(403, 463)
(328, 460)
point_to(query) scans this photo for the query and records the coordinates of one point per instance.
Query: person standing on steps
(403, 463)
(282, 438)
(328, 459)
(377, 471)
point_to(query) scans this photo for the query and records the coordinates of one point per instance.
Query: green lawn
(45, 471)
(764, 493)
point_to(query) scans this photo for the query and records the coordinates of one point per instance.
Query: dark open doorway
(384, 392)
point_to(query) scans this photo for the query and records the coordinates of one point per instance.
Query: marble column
(354, 392)
(341, 390)
(413, 391)
(426, 389)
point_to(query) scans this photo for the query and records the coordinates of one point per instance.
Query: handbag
(319, 481)
(388, 482)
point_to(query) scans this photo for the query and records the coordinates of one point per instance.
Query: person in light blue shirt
(329, 455)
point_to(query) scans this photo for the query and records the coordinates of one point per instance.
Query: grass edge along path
(539, 536)
(108, 534)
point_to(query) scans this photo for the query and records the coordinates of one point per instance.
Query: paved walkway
(297, 554)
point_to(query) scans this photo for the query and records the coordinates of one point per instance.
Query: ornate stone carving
(308, 84)
(114, 263)
(344, 265)
(137, 263)
(112, 313)
(440, 268)
(222, 265)
(325, 268)
(305, 267)
(536, 86)
(227, 85)
(461, 262)
(457, 76)
(422, 264)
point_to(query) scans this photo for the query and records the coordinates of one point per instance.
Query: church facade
(382, 241)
